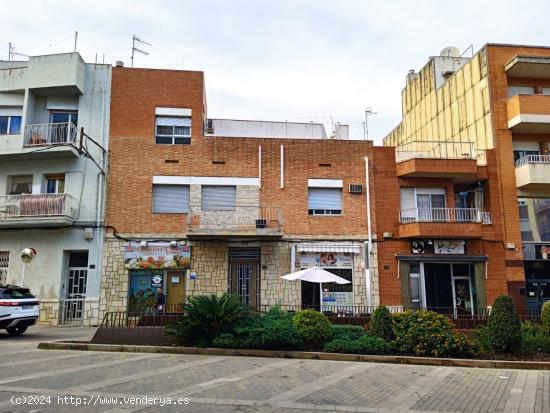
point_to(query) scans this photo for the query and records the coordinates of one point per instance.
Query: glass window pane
(182, 141)
(164, 130)
(60, 117)
(3, 124)
(164, 139)
(15, 124)
(182, 130)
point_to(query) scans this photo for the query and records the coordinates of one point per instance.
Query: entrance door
(244, 275)
(462, 295)
(175, 292)
(538, 292)
(72, 303)
(438, 285)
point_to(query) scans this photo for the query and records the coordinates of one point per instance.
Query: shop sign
(326, 259)
(156, 281)
(158, 255)
(429, 246)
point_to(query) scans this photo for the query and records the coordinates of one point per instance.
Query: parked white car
(19, 309)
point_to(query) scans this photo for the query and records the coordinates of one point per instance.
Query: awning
(329, 247)
(442, 258)
(528, 66)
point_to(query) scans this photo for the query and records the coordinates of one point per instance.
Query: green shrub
(206, 317)
(483, 339)
(423, 333)
(346, 332)
(363, 345)
(466, 346)
(545, 316)
(535, 339)
(381, 324)
(272, 330)
(504, 326)
(313, 326)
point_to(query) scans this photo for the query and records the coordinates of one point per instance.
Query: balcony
(47, 140)
(533, 175)
(529, 113)
(442, 222)
(37, 210)
(243, 221)
(439, 159)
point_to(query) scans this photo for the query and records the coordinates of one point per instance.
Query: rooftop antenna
(135, 49)
(75, 39)
(12, 53)
(368, 112)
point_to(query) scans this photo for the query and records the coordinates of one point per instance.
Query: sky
(296, 60)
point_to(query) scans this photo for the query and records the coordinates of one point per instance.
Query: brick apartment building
(198, 205)
(471, 174)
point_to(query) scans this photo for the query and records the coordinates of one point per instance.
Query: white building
(54, 128)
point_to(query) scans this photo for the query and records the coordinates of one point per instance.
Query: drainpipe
(368, 243)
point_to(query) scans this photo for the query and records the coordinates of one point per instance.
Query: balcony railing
(50, 134)
(238, 218)
(532, 159)
(37, 205)
(438, 150)
(444, 215)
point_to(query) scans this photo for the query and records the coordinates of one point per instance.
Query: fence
(37, 205)
(354, 315)
(444, 215)
(532, 159)
(50, 134)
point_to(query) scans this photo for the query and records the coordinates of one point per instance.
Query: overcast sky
(296, 60)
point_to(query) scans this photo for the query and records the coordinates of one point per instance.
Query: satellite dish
(450, 52)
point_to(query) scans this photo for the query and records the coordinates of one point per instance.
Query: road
(214, 384)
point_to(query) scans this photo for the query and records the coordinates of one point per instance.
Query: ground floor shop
(439, 275)
(537, 274)
(136, 271)
(64, 274)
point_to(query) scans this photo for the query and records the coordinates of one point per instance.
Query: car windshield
(16, 293)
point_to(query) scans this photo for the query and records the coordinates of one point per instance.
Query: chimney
(119, 63)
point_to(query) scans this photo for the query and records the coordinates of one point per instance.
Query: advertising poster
(326, 259)
(158, 255)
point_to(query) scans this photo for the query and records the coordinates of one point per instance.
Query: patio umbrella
(316, 275)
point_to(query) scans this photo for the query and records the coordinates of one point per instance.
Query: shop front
(338, 259)
(439, 275)
(537, 274)
(154, 268)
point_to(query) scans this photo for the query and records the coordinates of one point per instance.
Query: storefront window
(534, 219)
(142, 291)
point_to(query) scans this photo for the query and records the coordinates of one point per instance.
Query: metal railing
(237, 218)
(444, 215)
(37, 205)
(435, 150)
(337, 314)
(71, 311)
(524, 160)
(50, 134)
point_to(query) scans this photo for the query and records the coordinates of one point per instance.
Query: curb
(425, 361)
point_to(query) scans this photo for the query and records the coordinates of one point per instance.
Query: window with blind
(218, 198)
(173, 130)
(170, 199)
(324, 201)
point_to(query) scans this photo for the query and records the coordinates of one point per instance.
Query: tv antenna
(135, 49)
(368, 112)
(12, 53)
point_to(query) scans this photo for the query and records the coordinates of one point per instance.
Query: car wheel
(16, 331)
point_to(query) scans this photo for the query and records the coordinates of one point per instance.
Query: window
(55, 184)
(173, 130)
(423, 204)
(170, 199)
(520, 90)
(4, 263)
(64, 117)
(324, 201)
(10, 125)
(18, 185)
(215, 198)
(416, 286)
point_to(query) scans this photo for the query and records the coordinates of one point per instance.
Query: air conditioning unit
(355, 188)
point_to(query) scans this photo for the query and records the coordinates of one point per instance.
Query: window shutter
(325, 198)
(165, 121)
(170, 199)
(218, 197)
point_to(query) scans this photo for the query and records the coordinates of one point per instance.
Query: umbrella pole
(320, 297)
